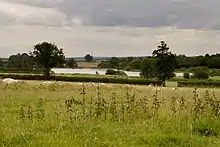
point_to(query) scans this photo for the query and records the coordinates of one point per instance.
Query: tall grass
(111, 115)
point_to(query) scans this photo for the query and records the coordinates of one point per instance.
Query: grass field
(71, 114)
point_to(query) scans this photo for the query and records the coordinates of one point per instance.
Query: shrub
(215, 72)
(186, 75)
(114, 72)
(200, 74)
(110, 72)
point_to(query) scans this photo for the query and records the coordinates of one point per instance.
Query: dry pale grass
(88, 64)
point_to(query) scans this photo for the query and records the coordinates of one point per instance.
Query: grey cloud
(144, 13)
(137, 13)
(14, 13)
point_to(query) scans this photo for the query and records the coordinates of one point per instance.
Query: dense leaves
(88, 58)
(21, 62)
(165, 63)
(115, 72)
(48, 56)
(71, 63)
(1, 63)
(186, 75)
(148, 69)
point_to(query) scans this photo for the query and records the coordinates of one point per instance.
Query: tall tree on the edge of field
(166, 62)
(88, 58)
(47, 55)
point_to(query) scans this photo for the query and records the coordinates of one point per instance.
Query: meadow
(76, 114)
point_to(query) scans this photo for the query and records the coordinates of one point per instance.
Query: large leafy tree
(166, 62)
(48, 55)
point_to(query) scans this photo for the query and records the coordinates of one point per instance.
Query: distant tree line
(44, 57)
(160, 65)
(182, 61)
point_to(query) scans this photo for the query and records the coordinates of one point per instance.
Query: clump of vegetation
(198, 83)
(186, 75)
(115, 72)
(200, 74)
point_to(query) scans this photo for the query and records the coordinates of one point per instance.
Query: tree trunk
(163, 84)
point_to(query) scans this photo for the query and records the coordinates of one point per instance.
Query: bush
(121, 80)
(198, 83)
(215, 72)
(113, 72)
(110, 72)
(200, 74)
(186, 75)
(199, 68)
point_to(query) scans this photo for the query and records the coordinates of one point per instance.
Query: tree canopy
(48, 55)
(165, 63)
(88, 58)
(71, 63)
(21, 62)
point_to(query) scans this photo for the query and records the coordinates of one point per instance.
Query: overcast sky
(110, 27)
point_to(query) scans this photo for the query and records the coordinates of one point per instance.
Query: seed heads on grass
(30, 113)
(83, 93)
(182, 103)
(22, 113)
(113, 109)
(40, 111)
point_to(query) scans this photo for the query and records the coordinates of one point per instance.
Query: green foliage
(198, 83)
(110, 72)
(201, 74)
(199, 68)
(122, 63)
(1, 63)
(214, 72)
(182, 62)
(71, 63)
(114, 62)
(101, 79)
(88, 58)
(211, 61)
(186, 75)
(166, 62)
(134, 65)
(115, 72)
(148, 69)
(48, 56)
(21, 62)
